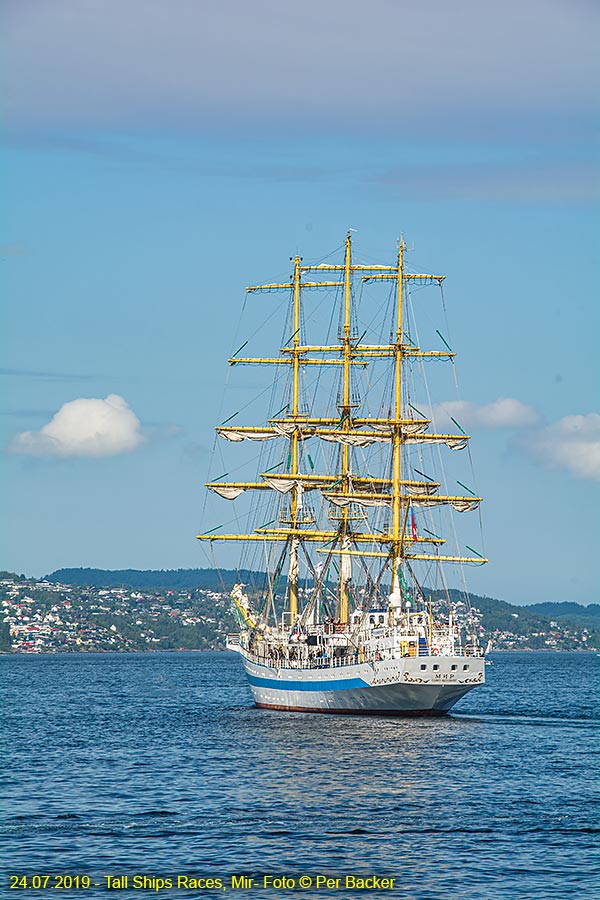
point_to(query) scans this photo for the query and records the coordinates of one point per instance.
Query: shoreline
(591, 651)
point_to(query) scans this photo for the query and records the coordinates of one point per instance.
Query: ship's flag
(413, 525)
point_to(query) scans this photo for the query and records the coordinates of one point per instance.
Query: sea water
(157, 766)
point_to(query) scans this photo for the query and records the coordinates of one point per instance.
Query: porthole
(466, 667)
(435, 667)
(423, 667)
(454, 667)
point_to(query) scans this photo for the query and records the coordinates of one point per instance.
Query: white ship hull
(393, 687)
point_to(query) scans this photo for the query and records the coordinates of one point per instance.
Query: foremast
(348, 430)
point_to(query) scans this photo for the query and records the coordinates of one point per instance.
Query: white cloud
(572, 443)
(502, 413)
(84, 427)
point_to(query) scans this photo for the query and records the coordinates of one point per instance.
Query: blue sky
(159, 157)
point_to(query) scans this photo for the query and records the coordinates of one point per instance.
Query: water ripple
(158, 763)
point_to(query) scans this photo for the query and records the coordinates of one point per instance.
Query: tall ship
(345, 514)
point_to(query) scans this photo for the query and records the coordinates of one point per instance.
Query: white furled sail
(237, 436)
(228, 493)
(282, 485)
(356, 439)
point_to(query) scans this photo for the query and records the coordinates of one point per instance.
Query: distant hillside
(533, 616)
(499, 611)
(152, 579)
(12, 576)
(568, 611)
(131, 609)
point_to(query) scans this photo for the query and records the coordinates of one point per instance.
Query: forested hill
(153, 579)
(567, 610)
(498, 614)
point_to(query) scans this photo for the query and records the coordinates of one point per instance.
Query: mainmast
(397, 524)
(345, 418)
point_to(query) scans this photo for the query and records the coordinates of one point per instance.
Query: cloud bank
(521, 76)
(502, 413)
(105, 62)
(86, 427)
(572, 443)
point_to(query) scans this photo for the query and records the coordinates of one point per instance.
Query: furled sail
(456, 443)
(283, 485)
(344, 500)
(229, 493)
(418, 489)
(415, 427)
(356, 439)
(294, 568)
(346, 560)
(248, 435)
(285, 429)
(465, 505)
(460, 504)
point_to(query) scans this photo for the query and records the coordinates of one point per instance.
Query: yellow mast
(294, 541)
(346, 409)
(397, 524)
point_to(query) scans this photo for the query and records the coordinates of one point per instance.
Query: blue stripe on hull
(281, 684)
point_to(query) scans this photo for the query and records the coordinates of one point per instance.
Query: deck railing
(282, 661)
(298, 656)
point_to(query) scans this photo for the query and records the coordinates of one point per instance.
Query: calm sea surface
(158, 764)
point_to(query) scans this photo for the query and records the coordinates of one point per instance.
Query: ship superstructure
(342, 622)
